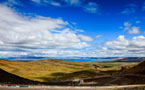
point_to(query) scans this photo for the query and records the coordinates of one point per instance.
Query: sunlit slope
(51, 69)
(35, 70)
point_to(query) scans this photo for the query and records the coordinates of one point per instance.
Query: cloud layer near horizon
(127, 47)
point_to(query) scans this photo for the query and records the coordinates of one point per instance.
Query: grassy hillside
(51, 69)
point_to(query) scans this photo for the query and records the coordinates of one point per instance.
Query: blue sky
(54, 28)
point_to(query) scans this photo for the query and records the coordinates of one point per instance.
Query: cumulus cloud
(131, 29)
(134, 30)
(120, 43)
(127, 47)
(24, 34)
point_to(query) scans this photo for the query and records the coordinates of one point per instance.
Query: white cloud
(24, 34)
(121, 47)
(134, 30)
(98, 36)
(13, 2)
(91, 7)
(55, 4)
(85, 38)
(127, 47)
(127, 24)
(74, 2)
(45, 2)
(120, 43)
(58, 3)
(131, 29)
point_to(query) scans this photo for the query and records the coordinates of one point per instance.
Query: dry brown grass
(42, 69)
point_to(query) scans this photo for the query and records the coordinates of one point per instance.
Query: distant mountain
(82, 59)
(24, 58)
(6, 77)
(130, 59)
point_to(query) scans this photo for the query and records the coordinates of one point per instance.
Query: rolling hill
(50, 70)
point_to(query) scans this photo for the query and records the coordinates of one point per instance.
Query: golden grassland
(52, 69)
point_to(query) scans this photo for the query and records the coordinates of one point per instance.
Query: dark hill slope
(138, 69)
(6, 77)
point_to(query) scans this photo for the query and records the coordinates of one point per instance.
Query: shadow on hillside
(111, 72)
(8, 78)
(68, 76)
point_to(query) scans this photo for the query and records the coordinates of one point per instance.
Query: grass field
(51, 69)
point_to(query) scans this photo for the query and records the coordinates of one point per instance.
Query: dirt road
(70, 88)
